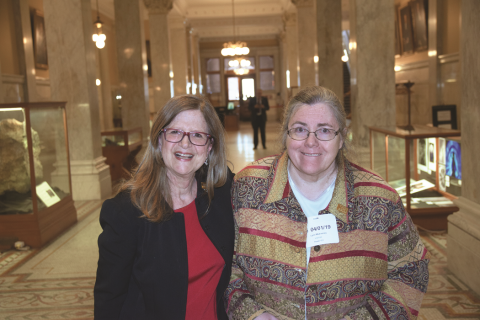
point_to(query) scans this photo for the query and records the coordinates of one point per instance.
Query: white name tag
(322, 229)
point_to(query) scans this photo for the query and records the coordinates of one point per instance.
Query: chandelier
(240, 66)
(99, 37)
(235, 48)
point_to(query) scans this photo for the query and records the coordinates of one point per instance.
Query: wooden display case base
(37, 230)
(432, 219)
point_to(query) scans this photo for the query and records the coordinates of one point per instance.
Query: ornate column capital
(289, 19)
(158, 6)
(303, 3)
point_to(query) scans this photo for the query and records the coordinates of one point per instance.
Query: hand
(265, 316)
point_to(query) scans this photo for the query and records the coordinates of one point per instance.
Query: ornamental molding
(243, 21)
(289, 19)
(158, 6)
(303, 3)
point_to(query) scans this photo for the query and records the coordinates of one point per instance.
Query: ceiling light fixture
(236, 47)
(99, 37)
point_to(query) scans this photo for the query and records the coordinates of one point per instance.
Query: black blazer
(251, 107)
(143, 266)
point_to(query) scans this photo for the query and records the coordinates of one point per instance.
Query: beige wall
(451, 26)
(8, 44)
(417, 70)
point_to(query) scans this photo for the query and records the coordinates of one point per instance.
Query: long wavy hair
(149, 185)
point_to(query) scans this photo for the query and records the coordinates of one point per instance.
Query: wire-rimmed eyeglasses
(322, 134)
(177, 135)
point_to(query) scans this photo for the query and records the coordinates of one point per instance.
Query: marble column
(291, 39)
(132, 65)
(160, 50)
(329, 43)
(190, 49)
(307, 39)
(434, 50)
(283, 68)
(464, 226)
(1, 85)
(372, 75)
(71, 56)
(23, 34)
(105, 89)
(197, 71)
(178, 44)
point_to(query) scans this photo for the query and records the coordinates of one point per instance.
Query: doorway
(239, 90)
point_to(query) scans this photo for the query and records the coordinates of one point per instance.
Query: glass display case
(430, 159)
(35, 191)
(120, 146)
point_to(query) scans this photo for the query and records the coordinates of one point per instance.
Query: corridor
(56, 281)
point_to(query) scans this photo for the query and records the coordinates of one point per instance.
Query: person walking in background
(258, 106)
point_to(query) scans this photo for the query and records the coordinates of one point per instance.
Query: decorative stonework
(158, 6)
(289, 19)
(303, 3)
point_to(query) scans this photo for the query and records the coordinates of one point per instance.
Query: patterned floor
(56, 282)
(32, 288)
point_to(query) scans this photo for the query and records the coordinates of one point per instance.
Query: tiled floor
(56, 282)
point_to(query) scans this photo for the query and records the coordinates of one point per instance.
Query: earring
(206, 161)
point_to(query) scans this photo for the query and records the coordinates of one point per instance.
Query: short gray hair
(311, 96)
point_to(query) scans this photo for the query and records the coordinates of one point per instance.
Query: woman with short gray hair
(318, 236)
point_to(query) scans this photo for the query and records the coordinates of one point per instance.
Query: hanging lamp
(99, 37)
(234, 48)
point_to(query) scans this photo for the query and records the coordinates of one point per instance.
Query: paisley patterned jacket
(378, 270)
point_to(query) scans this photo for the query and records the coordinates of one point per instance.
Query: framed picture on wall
(406, 27)
(39, 40)
(445, 116)
(419, 21)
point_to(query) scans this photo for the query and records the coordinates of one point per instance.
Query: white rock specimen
(14, 165)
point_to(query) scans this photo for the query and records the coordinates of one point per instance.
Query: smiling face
(183, 158)
(312, 159)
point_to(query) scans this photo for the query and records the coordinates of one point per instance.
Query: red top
(205, 267)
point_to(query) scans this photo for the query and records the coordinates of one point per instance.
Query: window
(233, 88)
(248, 88)
(266, 62)
(213, 65)
(267, 73)
(213, 75)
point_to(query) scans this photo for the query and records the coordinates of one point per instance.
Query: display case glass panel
(134, 137)
(120, 146)
(36, 203)
(396, 159)
(113, 140)
(379, 153)
(120, 137)
(428, 157)
(15, 186)
(33, 157)
(51, 173)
